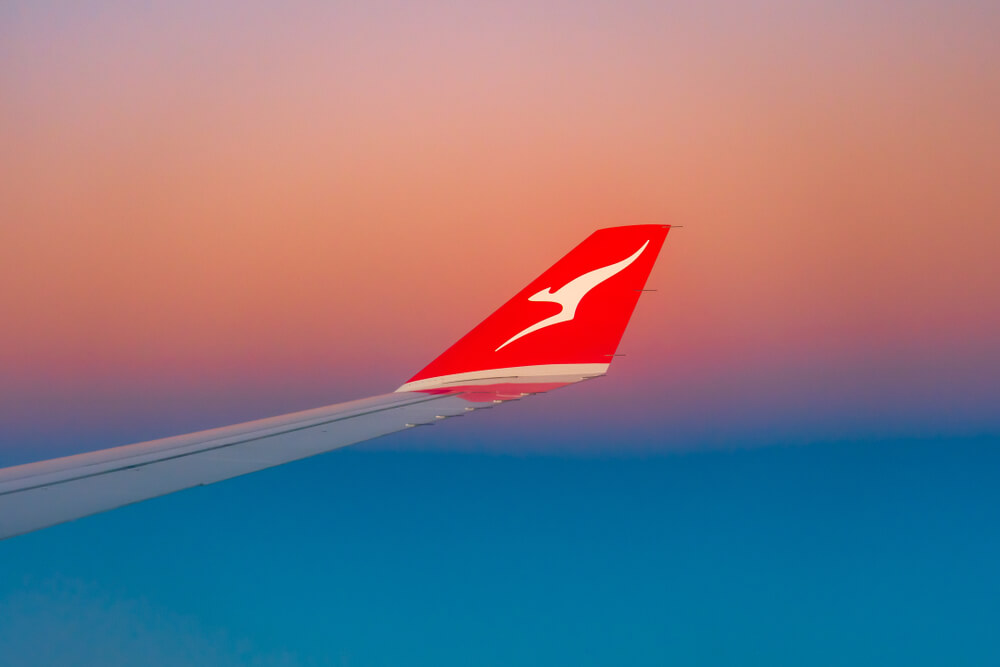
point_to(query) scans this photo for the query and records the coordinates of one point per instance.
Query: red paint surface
(592, 336)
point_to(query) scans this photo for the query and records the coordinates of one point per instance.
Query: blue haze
(866, 553)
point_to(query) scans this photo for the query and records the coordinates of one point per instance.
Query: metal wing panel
(37, 495)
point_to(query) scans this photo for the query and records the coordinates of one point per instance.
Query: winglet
(563, 327)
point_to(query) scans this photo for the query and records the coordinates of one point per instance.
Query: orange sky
(193, 195)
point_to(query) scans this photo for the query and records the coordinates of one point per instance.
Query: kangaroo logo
(569, 295)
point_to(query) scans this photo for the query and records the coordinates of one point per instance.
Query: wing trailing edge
(562, 328)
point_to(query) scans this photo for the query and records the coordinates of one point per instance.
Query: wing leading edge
(561, 329)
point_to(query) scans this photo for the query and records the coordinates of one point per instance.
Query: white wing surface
(41, 494)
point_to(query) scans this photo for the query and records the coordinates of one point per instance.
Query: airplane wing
(561, 329)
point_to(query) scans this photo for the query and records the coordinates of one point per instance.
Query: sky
(210, 214)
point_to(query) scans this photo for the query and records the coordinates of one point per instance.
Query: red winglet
(562, 327)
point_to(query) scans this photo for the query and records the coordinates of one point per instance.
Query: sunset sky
(210, 214)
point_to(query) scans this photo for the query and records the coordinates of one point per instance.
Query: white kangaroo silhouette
(569, 295)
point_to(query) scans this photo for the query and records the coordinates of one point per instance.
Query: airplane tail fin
(563, 327)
